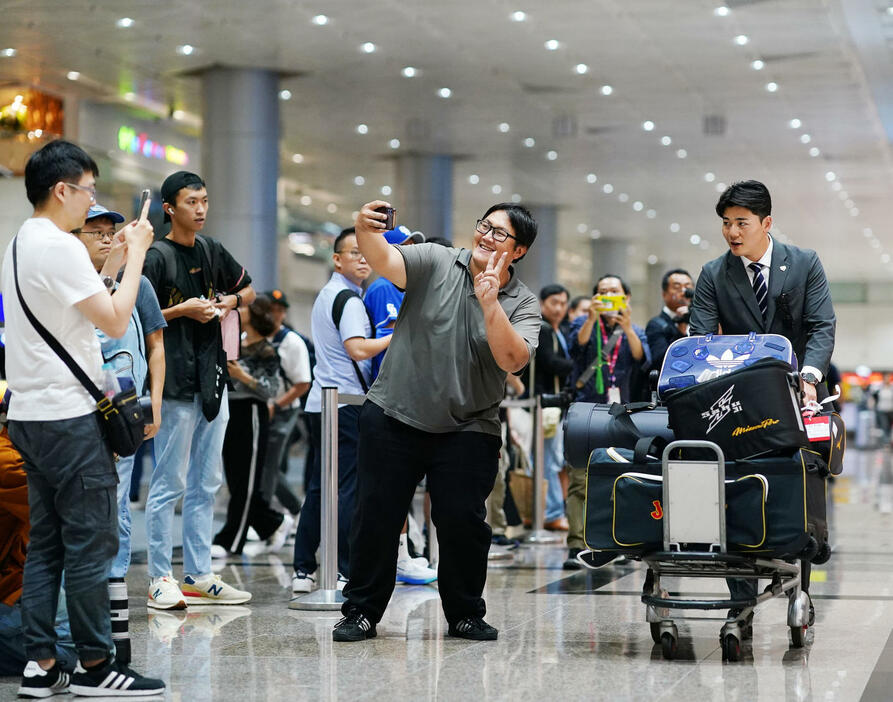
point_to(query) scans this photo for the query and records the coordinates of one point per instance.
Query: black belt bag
(122, 414)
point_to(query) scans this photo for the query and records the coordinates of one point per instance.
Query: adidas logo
(116, 681)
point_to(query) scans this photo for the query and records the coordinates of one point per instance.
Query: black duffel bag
(751, 411)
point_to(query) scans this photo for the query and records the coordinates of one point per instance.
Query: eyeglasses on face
(355, 254)
(89, 190)
(97, 235)
(497, 233)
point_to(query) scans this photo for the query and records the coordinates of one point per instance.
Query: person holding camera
(611, 357)
(672, 322)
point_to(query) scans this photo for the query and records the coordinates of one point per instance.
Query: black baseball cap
(277, 297)
(174, 183)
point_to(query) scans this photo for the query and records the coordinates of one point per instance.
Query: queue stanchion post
(327, 596)
(539, 535)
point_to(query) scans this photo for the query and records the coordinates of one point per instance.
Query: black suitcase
(775, 507)
(751, 411)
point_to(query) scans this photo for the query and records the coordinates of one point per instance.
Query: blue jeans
(71, 497)
(553, 450)
(188, 464)
(122, 559)
(13, 658)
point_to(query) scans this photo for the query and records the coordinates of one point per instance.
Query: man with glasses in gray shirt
(466, 322)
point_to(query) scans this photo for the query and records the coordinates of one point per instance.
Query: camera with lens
(688, 293)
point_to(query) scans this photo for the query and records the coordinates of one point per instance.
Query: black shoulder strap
(337, 311)
(209, 272)
(169, 256)
(51, 341)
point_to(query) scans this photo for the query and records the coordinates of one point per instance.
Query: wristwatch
(808, 377)
(109, 282)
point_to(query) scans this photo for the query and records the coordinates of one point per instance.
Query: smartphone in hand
(144, 198)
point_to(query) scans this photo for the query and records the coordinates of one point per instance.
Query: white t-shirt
(55, 273)
(295, 361)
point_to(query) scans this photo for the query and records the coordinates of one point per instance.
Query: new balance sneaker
(39, 683)
(473, 628)
(302, 582)
(164, 627)
(415, 571)
(354, 627)
(164, 593)
(210, 589)
(112, 679)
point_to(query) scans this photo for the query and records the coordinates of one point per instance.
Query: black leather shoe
(474, 629)
(571, 563)
(356, 626)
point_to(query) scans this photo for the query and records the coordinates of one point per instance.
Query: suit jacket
(661, 332)
(799, 304)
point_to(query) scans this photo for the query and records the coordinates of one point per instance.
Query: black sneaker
(37, 682)
(473, 628)
(112, 679)
(571, 563)
(354, 627)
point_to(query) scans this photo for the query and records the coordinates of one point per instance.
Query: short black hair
(749, 194)
(260, 315)
(611, 275)
(553, 289)
(523, 223)
(342, 236)
(56, 162)
(575, 303)
(665, 281)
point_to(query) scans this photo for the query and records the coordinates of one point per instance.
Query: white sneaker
(251, 535)
(164, 627)
(217, 551)
(342, 581)
(164, 593)
(277, 540)
(302, 582)
(210, 589)
(415, 571)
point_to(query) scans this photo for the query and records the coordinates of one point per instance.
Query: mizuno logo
(720, 409)
(762, 425)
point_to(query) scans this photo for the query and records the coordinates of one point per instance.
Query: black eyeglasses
(98, 236)
(498, 234)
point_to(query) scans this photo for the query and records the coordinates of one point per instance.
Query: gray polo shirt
(439, 374)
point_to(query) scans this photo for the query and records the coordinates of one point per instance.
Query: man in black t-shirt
(197, 282)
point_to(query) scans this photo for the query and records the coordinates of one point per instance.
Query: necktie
(760, 289)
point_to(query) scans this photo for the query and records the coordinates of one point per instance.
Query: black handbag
(122, 415)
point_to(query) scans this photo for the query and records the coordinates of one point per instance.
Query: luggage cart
(694, 528)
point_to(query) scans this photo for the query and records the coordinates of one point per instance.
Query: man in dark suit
(672, 322)
(766, 286)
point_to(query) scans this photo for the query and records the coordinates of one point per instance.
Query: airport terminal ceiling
(628, 114)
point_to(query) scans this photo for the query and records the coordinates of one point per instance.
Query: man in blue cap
(144, 343)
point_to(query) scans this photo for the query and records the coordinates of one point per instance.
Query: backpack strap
(337, 311)
(169, 256)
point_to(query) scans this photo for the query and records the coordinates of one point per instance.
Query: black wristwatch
(109, 282)
(808, 377)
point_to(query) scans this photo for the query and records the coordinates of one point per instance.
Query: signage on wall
(134, 142)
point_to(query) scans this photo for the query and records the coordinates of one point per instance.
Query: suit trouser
(576, 498)
(460, 468)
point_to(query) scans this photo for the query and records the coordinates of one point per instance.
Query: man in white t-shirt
(54, 423)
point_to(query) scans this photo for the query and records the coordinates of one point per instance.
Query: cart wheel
(731, 648)
(823, 555)
(668, 646)
(655, 631)
(798, 634)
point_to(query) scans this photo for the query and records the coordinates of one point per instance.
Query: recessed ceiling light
(795, 123)
(367, 47)
(530, 142)
(362, 129)
(772, 87)
(386, 190)
(306, 200)
(285, 94)
(504, 127)
(8, 53)
(186, 50)
(757, 65)
(582, 227)
(606, 90)
(674, 227)
(178, 114)
(666, 141)
(720, 187)
(519, 16)
(581, 69)
(496, 189)
(320, 20)
(849, 204)
(814, 151)
(595, 234)
(331, 208)
(651, 214)
(681, 153)
(410, 72)
(73, 75)
(709, 177)
(607, 188)
(652, 259)
(124, 23)
(741, 39)
(551, 155)
(474, 179)
(297, 158)
(623, 197)
(694, 239)
(648, 125)
(721, 11)
(516, 197)
(444, 93)
(638, 206)
(552, 44)
(867, 232)
(591, 178)
(359, 180)
(394, 143)
(830, 176)
(130, 97)
(805, 138)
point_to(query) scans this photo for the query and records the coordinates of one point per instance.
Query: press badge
(613, 394)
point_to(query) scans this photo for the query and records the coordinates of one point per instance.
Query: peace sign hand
(486, 283)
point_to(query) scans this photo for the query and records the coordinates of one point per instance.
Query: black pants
(244, 449)
(461, 469)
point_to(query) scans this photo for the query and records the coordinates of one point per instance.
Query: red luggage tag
(818, 428)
